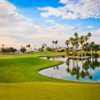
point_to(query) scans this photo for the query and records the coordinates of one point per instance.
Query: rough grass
(20, 81)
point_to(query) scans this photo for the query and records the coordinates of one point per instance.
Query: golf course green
(20, 80)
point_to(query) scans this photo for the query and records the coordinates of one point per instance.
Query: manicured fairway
(19, 80)
(49, 91)
(23, 68)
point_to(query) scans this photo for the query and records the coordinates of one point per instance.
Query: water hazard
(86, 70)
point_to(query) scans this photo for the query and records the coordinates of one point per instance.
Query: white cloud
(64, 1)
(50, 21)
(10, 42)
(57, 31)
(16, 30)
(15, 27)
(12, 23)
(89, 27)
(96, 36)
(47, 34)
(49, 11)
(73, 10)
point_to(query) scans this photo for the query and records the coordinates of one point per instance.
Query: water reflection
(75, 69)
(82, 68)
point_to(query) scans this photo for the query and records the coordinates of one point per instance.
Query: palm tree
(44, 46)
(55, 43)
(72, 41)
(81, 41)
(67, 49)
(92, 44)
(76, 35)
(67, 43)
(95, 47)
(28, 46)
(76, 40)
(89, 34)
(84, 48)
(86, 38)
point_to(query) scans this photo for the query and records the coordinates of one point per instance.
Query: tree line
(81, 44)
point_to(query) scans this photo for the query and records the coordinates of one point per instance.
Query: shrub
(49, 49)
(8, 50)
(23, 49)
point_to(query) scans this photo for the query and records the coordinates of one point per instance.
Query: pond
(83, 70)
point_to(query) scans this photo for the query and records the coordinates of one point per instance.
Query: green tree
(28, 46)
(81, 41)
(67, 49)
(55, 43)
(76, 35)
(89, 34)
(23, 49)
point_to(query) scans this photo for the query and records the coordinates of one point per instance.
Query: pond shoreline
(41, 71)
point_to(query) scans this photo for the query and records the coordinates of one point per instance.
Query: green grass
(49, 54)
(23, 68)
(49, 91)
(20, 81)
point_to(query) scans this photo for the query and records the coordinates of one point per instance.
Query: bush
(40, 49)
(49, 49)
(23, 49)
(8, 50)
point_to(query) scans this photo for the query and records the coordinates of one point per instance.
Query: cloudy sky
(41, 21)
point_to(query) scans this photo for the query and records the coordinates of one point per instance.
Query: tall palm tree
(96, 48)
(28, 46)
(72, 41)
(85, 48)
(89, 34)
(44, 45)
(92, 44)
(67, 43)
(67, 49)
(76, 35)
(55, 43)
(76, 40)
(81, 41)
(86, 38)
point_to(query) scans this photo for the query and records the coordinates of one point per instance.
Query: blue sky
(42, 21)
(30, 9)
(35, 3)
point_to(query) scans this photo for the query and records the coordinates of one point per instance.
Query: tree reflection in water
(81, 68)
